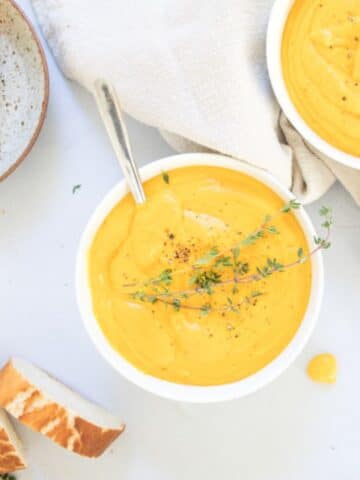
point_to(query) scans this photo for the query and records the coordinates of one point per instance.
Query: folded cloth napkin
(196, 70)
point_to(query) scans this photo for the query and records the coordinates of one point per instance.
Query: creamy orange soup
(200, 208)
(321, 66)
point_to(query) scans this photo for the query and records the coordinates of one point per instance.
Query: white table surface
(291, 430)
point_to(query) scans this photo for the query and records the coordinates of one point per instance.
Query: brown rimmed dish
(24, 87)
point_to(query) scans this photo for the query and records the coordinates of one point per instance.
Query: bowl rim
(180, 392)
(45, 100)
(277, 21)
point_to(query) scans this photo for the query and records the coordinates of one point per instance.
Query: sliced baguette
(11, 457)
(46, 406)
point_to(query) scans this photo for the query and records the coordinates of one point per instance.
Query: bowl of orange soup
(313, 56)
(176, 293)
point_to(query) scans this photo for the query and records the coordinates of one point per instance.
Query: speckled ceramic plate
(24, 87)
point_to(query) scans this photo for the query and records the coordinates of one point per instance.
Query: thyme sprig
(204, 309)
(222, 257)
(211, 271)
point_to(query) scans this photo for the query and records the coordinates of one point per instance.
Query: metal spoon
(110, 111)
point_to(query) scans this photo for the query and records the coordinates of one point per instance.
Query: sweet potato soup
(321, 66)
(189, 287)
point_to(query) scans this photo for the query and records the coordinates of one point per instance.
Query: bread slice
(46, 406)
(11, 458)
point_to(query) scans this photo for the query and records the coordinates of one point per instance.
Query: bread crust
(32, 407)
(10, 460)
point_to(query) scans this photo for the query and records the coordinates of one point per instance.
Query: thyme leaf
(165, 177)
(208, 257)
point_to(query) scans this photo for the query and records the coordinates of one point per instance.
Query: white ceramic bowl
(185, 392)
(278, 18)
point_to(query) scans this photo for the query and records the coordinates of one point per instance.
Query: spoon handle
(110, 111)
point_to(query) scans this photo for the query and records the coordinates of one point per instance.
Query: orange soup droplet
(323, 368)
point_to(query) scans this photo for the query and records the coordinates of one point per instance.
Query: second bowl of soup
(313, 53)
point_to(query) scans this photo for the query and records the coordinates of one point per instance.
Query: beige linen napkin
(196, 70)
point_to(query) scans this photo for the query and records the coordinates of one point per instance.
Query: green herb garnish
(7, 476)
(208, 257)
(220, 269)
(165, 177)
